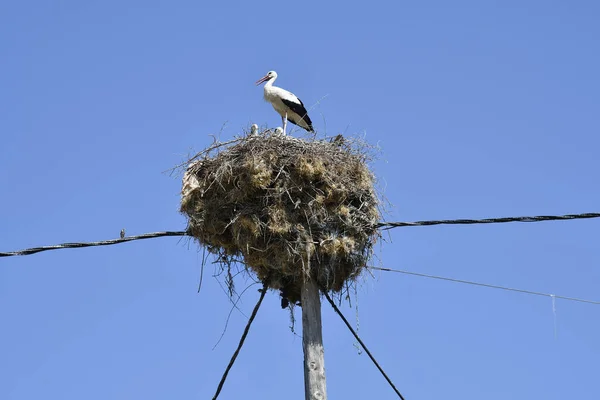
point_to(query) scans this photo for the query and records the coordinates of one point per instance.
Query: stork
(285, 103)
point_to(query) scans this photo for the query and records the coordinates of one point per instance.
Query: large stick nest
(292, 209)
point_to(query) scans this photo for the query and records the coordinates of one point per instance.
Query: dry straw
(290, 209)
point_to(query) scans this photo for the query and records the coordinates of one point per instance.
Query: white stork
(285, 103)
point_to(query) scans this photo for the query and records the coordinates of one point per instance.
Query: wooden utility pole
(312, 343)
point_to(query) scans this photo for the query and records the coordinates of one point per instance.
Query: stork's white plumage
(285, 103)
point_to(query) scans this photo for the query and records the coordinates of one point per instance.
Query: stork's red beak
(263, 79)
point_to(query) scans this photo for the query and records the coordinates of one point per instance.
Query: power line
(382, 225)
(338, 312)
(237, 351)
(34, 250)
(555, 296)
(539, 218)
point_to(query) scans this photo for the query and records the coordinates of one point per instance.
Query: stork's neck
(270, 82)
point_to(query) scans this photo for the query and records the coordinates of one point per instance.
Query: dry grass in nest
(288, 208)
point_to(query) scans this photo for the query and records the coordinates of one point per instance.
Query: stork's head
(270, 75)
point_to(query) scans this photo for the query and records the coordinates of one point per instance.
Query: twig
(230, 312)
(202, 267)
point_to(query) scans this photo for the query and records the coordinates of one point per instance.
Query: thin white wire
(554, 313)
(553, 296)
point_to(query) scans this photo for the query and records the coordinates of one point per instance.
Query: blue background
(481, 108)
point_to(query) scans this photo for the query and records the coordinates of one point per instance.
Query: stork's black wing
(299, 109)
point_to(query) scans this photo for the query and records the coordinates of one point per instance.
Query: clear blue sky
(481, 108)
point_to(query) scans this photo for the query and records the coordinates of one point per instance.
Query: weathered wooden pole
(312, 343)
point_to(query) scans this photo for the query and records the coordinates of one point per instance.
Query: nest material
(293, 209)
